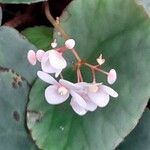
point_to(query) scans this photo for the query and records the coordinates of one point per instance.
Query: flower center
(93, 88)
(62, 90)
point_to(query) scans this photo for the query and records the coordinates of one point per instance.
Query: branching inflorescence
(85, 96)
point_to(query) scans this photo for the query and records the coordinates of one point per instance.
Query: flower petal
(100, 98)
(39, 55)
(77, 108)
(87, 85)
(56, 60)
(89, 104)
(69, 84)
(78, 99)
(45, 64)
(53, 97)
(46, 77)
(109, 90)
(112, 76)
(31, 56)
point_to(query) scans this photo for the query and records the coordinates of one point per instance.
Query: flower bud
(112, 76)
(31, 56)
(69, 44)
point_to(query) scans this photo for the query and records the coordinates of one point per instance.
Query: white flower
(58, 92)
(112, 76)
(98, 93)
(53, 62)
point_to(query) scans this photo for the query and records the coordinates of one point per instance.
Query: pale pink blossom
(31, 56)
(70, 43)
(82, 103)
(55, 93)
(53, 62)
(58, 92)
(98, 93)
(112, 76)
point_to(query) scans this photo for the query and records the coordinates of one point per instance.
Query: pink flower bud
(54, 44)
(69, 44)
(39, 55)
(112, 76)
(31, 56)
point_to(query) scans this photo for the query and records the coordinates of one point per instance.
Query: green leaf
(40, 36)
(20, 1)
(145, 4)
(13, 53)
(140, 137)
(120, 31)
(13, 98)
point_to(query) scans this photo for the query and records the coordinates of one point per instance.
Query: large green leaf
(40, 36)
(13, 53)
(13, 98)
(140, 137)
(20, 1)
(121, 31)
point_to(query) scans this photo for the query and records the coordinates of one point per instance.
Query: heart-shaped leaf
(13, 53)
(20, 1)
(40, 36)
(121, 31)
(140, 137)
(13, 98)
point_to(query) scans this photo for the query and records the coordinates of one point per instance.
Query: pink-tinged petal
(89, 104)
(45, 64)
(39, 55)
(56, 60)
(100, 98)
(53, 97)
(69, 44)
(87, 85)
(109, 90)
(77, 108)
(69, 85)
(78, 99)
(112, 76)
(31, 57)
(46, 77)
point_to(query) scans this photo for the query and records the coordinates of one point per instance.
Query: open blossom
(53, 62)
(58, 92)
(96, 94)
